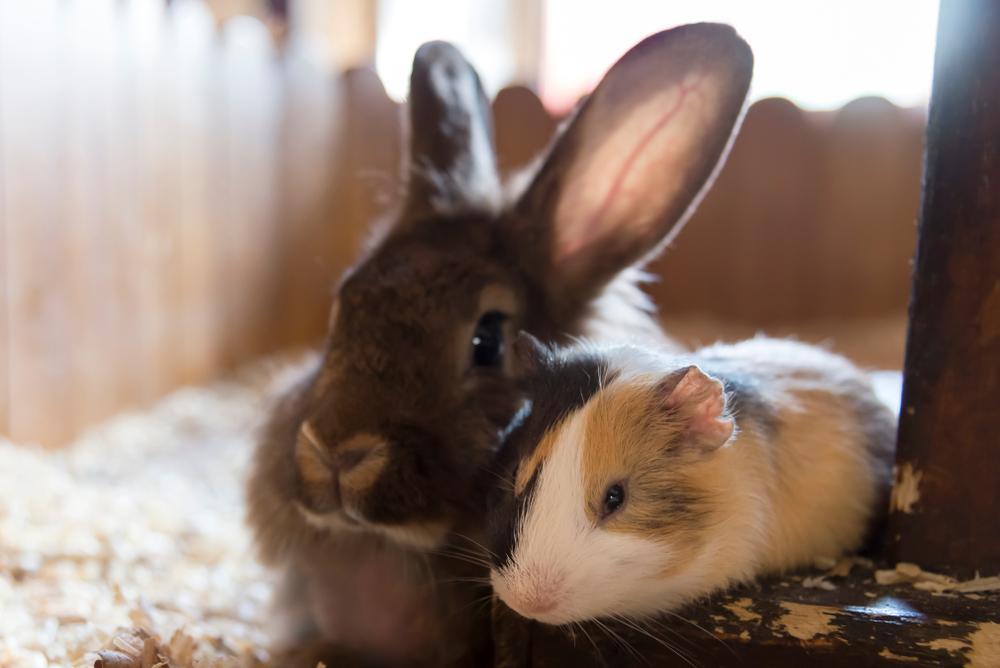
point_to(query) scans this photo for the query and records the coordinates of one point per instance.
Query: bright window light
(820, 55)
(480, 29)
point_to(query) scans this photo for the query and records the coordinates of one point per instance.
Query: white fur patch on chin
(422, 537)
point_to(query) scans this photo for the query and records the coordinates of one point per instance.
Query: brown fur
(629, 438)
(396, 362)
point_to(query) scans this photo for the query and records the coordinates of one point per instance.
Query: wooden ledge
(779, 622)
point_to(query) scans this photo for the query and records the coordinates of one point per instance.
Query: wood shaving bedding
(935, 582)
(129, 547)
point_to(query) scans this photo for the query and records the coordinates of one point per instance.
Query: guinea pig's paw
(699, 400)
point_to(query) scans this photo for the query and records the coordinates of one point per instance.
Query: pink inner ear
(702, 401)
(597, 222)
(593, 225)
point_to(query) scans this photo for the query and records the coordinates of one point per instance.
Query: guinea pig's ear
(699, 402)
(530, 353)
(621, 179)
(452, 159)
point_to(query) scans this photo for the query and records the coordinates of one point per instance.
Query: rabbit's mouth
(334, 520)
(419, 535)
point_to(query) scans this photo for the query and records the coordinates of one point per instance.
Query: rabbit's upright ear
(452, 159)
(633, 162)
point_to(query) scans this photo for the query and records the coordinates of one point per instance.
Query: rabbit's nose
(359, 462)
(347, 460)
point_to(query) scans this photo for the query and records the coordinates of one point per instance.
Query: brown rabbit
(370, 480)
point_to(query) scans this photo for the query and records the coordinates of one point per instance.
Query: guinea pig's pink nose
(540, 604)
(530, 592)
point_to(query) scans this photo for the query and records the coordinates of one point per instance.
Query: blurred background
(182, 181)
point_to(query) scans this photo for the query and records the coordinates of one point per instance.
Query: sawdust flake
(906, 491)
(806, 622)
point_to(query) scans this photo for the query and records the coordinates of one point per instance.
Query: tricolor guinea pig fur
(641, 480)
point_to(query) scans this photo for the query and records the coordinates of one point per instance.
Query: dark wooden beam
(782, 622)
(947, 497)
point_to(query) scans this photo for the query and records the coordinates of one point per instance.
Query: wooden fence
(176, 198)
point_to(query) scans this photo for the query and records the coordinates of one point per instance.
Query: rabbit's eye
(487, 340)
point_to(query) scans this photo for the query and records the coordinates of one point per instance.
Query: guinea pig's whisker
(468, 556)
(472, 580)
(589, 637)
(624, 642)
(635, 626)
(477, 544)
(659, 625)
(620, 640)
(476, 604)
(506, 483)
(463, 549)
(583, 630)
(469, 562)
(702, 629)
(460, 549)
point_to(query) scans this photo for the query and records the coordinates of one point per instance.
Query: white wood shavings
(824, 563)
(840, 567)
(118, 550)
(906, 573)
(818, 582)
(845, 565)
(906, 490)
(978, 584)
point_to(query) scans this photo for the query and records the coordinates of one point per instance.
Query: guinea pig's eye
(487, 340)
(614, 497)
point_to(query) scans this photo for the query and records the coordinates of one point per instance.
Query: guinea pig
(641, 480)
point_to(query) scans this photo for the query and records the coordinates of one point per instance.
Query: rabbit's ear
(452, 160)
(620, 180)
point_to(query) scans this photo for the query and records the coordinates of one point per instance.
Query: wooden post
(946, 502)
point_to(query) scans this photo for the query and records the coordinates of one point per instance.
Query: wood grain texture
(34, 139)
(755, 222)
(185, 91)
(4, 264)
(308, 151)
(949, 453)
(812, 217)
